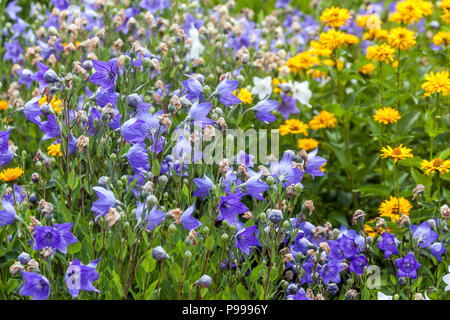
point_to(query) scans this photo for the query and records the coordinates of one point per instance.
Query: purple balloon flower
(12, 10)
(314, 163)
(437, 249)
(330, 272)
(424, 234)
(8, 214)
(204, 186)
(288, 106)
(35, 285)
(263, 110)
(224, 92)
(357, 264)
(106, 200)
(80, 277)
(138, 158)
(230, 206)
(58, 237)
(284, 172)
(197, 114)
(50, 128)
(254, 187)
(407, 266)
(245, 239)
(6, 154)
(188, 221)
(105, 74)
(349, 246)
(153, 218)
(388, 244)
(154, 5)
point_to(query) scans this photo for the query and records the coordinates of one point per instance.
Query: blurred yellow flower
(411, 11)
(390, 208)
(446, 15)
(367, 68)
(293, 126)
(382, 52)
(3, 105)
(301, 61)
(441, 37)
(436, 165)
(54, 150)
(401, 38)
(54, 103)
(387, 115)
(307, 144)
(379, 34)
(398, 153)
(244, 95)
(437, 82)
(445, 4)
(324, 119)
(334, 17)
(11, 174)
(332, 39)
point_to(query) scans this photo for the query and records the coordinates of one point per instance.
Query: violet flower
(80, 277)
(407, 266)
(6, 154)
(106, 200)
(152, 218)
(245, 239)
(330, 272)
(35, 285)
(8, 214)
(388, 244)
(105, 74)
(188, 221)
(437, 249)
(424, 234)
(224, 92)
(357, 264)
(204, 186)
(58, 237)
(230, 206)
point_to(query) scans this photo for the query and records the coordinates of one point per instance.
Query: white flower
(196, 46)
(262, 87)
(382, 296)
(301, 92)
(447, 280)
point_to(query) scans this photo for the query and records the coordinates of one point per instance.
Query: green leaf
(209, 243)
(242, 292)
(375, 189)
(74, 248)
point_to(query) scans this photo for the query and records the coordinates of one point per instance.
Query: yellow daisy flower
(293, 126)
(307, 144)
(382, 52)
(3, 105)
(54, 150)
(390, 208)
(334, 17)
(401, 38)
(437, 82)
(387, 115)
(398, 153)
(324, 119)
(367, 69)
(301, 61)
(244, 95)
(436, 165)
(54, 103)
(11, 174)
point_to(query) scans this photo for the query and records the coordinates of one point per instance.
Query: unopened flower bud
(275, 216)
(151, 201)
(159, 254)
(204, 281)
(134, 100)
(24, 258)
(50, 76)
(35, 177)
(332, 289)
